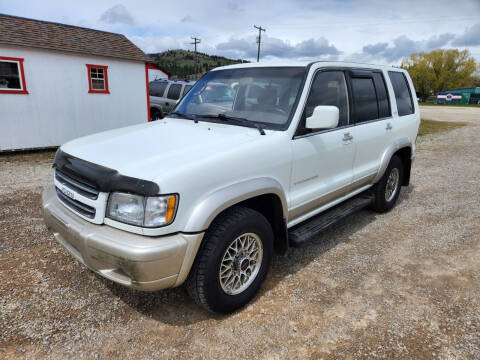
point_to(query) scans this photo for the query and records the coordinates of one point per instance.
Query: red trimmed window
(12, 76)
(97, 79)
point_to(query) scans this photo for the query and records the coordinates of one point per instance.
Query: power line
(259, 39)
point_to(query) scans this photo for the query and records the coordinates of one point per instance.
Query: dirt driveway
(401, 285)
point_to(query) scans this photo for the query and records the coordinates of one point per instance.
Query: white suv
(254, 159)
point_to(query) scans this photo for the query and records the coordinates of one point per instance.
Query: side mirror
(323, 117)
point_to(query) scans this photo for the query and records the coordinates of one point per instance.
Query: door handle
(389, 126)
(347, 138)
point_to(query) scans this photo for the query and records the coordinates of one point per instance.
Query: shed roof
(20, 31)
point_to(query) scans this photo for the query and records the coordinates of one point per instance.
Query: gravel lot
(400, 285)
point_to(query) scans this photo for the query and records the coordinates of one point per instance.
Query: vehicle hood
(143, 151)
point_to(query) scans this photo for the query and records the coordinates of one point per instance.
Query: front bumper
(136, 261)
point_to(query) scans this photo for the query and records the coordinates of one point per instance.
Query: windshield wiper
(189, 117)
(238, 120)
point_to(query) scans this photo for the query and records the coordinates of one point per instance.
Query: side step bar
(299, 235)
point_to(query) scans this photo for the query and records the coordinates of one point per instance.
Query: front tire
(387, 190)
(233, 261)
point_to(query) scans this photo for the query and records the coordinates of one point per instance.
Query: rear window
(157, 88)
(365, 99)
(174, 91)
(402, 93)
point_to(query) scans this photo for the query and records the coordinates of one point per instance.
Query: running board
(300, 234)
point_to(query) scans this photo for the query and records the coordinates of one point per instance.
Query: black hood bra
(102, 178)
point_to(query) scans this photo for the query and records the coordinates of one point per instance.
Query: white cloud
(276, 48)
(298, 29)
(154, 44)
(117, 14)
(399, 48)
(471, 36)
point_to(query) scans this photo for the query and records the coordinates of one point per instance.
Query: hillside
(184, 64)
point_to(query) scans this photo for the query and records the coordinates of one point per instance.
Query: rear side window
(157, 88)
(402, 93)
(382, 95)
(365, 99)
(174, 91)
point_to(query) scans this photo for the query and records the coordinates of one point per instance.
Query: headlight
(153, 211)
(160, 210)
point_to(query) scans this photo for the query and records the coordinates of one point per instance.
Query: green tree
(476, 77)
(440, 70)
(185, 63)
(476, 81)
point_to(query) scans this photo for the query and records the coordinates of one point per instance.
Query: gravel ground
(400, 285)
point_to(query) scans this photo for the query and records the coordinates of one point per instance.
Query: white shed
(59, 82)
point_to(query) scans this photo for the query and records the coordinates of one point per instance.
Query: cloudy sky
(378, 31)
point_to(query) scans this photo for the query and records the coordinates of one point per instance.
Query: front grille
(77, 184)
(75, 205)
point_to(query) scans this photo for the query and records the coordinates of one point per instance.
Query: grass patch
(428, 127)
(39, 155)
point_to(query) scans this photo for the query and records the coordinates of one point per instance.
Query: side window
(12, 76)
(97, 79)
(157, 88)
(402, 93)
(365, 99)
(174, 91)
(328, 88)
(382, 95)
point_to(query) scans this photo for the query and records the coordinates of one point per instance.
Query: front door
(323, 159)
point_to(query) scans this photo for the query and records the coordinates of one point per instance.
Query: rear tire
(387, 190)
(155, 114)
(233, 260)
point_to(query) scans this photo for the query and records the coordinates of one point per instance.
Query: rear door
(373, 122)
(407, 115)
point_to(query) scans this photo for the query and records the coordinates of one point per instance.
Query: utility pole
(259, 39)
(195, 42)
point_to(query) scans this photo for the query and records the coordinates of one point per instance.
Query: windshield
(261, 95)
